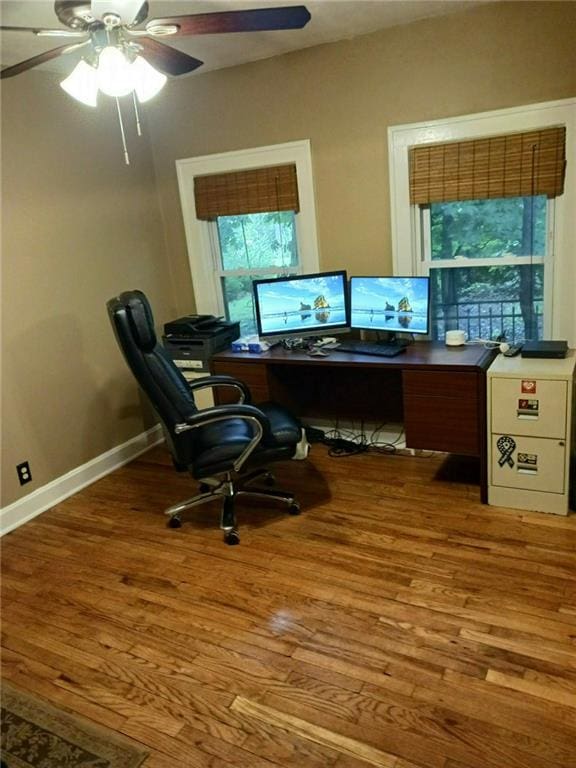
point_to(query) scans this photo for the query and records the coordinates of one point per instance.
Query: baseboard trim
(28, 507)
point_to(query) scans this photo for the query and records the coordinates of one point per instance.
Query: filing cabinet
(530, 432)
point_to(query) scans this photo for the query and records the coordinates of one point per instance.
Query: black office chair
(225, 447)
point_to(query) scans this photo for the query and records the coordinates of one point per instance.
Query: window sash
(423, 233)
(218, 271)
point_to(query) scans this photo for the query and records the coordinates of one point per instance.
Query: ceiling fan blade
(128, 10)
(16, 69)
(168, 60)
(44, 32)
(255, 20)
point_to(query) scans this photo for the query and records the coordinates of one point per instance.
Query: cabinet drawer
(538, 464)
(529, 407)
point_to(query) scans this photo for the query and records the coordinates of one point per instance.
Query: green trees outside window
(475, 283)
(251, 246)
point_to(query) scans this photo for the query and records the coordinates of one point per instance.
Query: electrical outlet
(24, 474)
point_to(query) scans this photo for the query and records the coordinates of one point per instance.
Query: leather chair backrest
(152, 366)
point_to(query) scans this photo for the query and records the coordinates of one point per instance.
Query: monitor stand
(391, 339)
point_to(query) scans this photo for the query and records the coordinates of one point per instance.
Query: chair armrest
(222, 381)
(249, 413)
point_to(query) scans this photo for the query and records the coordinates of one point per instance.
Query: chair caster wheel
(174, 522)
(231, 537)
(294, 508)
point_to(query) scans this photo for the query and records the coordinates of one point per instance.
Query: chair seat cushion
(285, 428)
(218, 445)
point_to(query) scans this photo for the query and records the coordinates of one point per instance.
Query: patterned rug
(37, 735)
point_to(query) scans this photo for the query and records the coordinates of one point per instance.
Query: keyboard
(367, 348)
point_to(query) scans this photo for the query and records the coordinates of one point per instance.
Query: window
(487, 260)
(255, 218)
(497, 247)
(250, 246)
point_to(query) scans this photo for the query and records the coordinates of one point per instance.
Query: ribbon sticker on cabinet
(528, 386)
(506, 446)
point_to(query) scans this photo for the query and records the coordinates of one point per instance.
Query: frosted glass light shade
(82, 84)
(114, 72)
(147, 80)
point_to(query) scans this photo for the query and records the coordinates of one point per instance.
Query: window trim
(200, 234)
(405, 219)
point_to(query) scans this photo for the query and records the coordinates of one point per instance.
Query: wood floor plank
(539, 689)
(315, 733)
(397, 622)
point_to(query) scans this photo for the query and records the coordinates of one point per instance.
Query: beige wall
(344, 96)
(78, 227)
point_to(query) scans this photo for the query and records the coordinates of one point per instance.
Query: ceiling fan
(114, 23)
(121, 58)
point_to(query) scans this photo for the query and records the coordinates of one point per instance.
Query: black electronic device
(393, 304)
(512, 350)
(554, 350)
(192, 340)
(191, 324)
(302, 305)
(377, 349)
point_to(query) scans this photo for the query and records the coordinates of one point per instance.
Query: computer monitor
(302, 305)
(393, 304)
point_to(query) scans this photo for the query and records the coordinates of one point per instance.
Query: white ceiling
(331, 20)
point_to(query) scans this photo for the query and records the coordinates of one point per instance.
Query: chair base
(227, 489)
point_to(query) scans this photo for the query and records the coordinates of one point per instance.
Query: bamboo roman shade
(513, 165)
(257, 190)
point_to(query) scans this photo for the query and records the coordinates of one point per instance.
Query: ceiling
(331, 20)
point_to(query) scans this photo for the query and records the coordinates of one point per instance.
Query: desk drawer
(455, 384)
(442, 424)
(441, 411)
(253, 374)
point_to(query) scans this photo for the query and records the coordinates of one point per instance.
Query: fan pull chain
(138, 126)
(126, 156)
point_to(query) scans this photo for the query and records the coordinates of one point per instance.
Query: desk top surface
(421, 354)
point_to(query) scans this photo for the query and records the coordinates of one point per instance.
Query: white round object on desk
(455, 338)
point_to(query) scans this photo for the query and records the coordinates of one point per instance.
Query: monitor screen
(302, 305)
(394, 304)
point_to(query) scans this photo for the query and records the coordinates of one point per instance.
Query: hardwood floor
(397, 622)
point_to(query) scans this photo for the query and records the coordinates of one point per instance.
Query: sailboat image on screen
(302, 305)
(393, 304)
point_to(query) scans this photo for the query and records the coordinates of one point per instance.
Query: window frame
(202, 236)
(407, 229)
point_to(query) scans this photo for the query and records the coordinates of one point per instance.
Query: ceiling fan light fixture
(147, 80)
(114, 72)
(82, 84)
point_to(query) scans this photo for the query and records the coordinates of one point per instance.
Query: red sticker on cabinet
(528, 386)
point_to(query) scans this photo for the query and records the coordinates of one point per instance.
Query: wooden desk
(438, 392)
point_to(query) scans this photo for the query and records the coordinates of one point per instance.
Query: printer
(192, 340)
